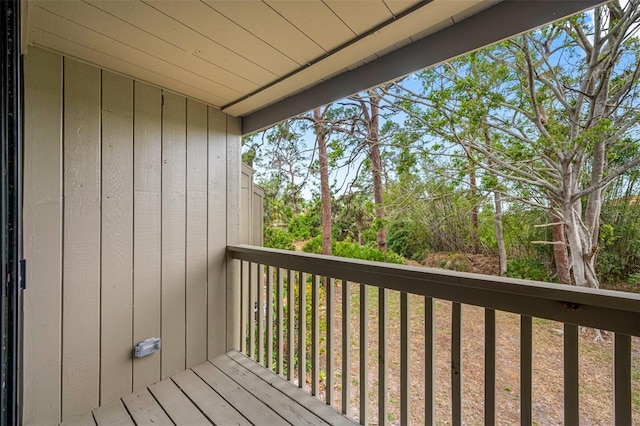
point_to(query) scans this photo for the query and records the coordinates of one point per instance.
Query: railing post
(383, 365)
(302, 330)
(234, 294)
(456, 364)
(260, 309)
(346, 347)
(291, 325)
(315, 336)
(429, 394)
(622, 379)
(331, 310)
(571, 414)
(526, 355)
(364, 354)
(489, 367)
(405, 336)
(269, 333)
(251, 311)
(280, 302)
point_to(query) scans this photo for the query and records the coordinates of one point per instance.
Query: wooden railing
(274, 321)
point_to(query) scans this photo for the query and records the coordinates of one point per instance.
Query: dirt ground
(595, 362)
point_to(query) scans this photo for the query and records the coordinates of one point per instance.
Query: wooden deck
(230, 390)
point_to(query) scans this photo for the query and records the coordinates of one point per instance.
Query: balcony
(267, 278)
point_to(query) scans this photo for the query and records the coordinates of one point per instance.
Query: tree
(559, 103)
(370, 120)
(321, 133)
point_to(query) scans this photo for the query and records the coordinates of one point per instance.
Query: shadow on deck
(229, 390)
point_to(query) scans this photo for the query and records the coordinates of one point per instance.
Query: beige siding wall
(251, 209)
(126, 223)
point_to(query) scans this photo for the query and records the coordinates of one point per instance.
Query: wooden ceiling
(239, 56)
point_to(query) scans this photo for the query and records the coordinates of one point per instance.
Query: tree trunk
(373, 141)
(294, 196)
(560, 254)
(497, 217)
(497, 225)
(475, 246)
(324, 181)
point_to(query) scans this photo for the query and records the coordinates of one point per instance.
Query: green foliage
(278, 238)
(634, 279)
(353, 250)
(408, 239)
(527, 269)
(304, 226)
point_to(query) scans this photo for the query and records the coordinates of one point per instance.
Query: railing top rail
(605, 309)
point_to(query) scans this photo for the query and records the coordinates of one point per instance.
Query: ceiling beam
(499, 22)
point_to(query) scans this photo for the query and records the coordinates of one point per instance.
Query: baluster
(291, 327)
(621, 379)
(405, 335)
(489, 367)
(364, 354)
(456, 364)
(315, 336)
(428, 362)
(260, 309)
(280, 324)
(383, 368)
(243, 306)
(251, 312)
(526, 351)
(330, 293)
(346, 347)
(302, 330)
(269, 334)
(571, 415)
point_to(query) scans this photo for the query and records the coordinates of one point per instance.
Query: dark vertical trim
(101, 242)
(10, 210)
(133, 225)
(62, 227)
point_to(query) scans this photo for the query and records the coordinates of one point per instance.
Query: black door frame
(11, 265)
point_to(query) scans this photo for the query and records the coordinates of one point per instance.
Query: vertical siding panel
(117, 236)
(147, 147)
(217, 232)
(42, 236)
(233, 229)
(81, 252)
(174, 157)
(196, 233)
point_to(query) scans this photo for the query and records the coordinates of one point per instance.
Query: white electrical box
(147, 347)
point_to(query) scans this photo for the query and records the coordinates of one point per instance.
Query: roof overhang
(267, 61)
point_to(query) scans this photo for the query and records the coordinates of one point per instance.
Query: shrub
(408, 240)
(303, 226)
(278, 238)
(353, 250)
(528, 269)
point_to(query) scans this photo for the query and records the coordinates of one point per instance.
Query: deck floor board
(228, 390)
(145, 410)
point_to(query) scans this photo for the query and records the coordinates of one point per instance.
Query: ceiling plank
(504, 20)
(84, 53)
(111, 26)
(269, 26)
(398, 6)
(215, 26)
(316, 20)
(432, 17)
(166, 28)
(360, 15)
(53, 32)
